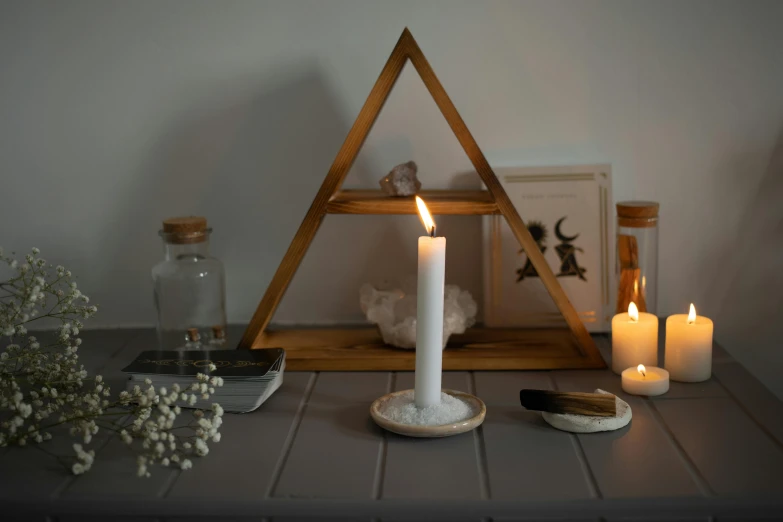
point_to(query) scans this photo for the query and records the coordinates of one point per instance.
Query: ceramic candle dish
(446, 430)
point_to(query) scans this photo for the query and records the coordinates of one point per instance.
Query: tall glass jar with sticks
(637, 255)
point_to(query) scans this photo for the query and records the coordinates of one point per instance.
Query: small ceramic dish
(444, 430)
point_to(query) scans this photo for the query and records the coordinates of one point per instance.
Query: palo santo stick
(577, 403)
(628, 251)
(629, 287)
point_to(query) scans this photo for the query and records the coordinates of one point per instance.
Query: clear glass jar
(189, 284)
(637, 255)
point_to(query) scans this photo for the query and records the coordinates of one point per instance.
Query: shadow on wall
(748, 321)
(251, 161)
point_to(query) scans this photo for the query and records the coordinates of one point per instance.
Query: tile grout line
(130, 339)
(174, 475)
(747, 412)
(693, 471)
(380, 465)
(168, 484)
(292, 432)
(481, 448)
(581, 456)
(68, 481)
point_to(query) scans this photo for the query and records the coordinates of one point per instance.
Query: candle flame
(424, 214)
(641, 369)
(633, 312)
(692, 315)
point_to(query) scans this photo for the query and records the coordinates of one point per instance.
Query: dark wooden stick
(577, 403)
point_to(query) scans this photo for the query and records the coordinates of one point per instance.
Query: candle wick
(432, 231)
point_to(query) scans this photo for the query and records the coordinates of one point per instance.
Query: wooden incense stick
(630, 287)
(577, 403)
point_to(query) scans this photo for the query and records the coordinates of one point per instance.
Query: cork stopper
(183, 230)
(193, 335)
(637, 214)
(219, 332)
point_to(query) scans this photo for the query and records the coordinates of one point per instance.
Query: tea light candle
(689, 347)
(642, 380)
(429, 313)
(634, 339)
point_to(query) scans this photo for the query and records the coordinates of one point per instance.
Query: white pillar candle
(429, 313)
(634, 339)
(645, 380)
(688, 355)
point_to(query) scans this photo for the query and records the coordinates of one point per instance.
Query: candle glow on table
(645, 380)
(634, 339)
(688, 355)
(429, 312)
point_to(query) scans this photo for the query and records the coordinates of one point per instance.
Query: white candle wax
(429, 320)
(634, 342)
(650, 381)
(688, 355)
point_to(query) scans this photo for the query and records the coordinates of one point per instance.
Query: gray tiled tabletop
(707, 451)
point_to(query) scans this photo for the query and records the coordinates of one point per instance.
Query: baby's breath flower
(42, 389)
(201, 447)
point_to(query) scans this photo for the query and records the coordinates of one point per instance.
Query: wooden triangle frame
(330, 199)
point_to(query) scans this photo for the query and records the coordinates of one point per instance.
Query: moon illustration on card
(560, 235)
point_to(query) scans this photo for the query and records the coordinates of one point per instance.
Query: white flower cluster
(43, 387)
(155, 424)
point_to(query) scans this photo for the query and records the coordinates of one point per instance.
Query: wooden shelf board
(442, 202)
(361, 349)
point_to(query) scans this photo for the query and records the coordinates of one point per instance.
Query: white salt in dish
(458, 412)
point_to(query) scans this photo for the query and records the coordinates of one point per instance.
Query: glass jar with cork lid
(189, 285)
(637, 255)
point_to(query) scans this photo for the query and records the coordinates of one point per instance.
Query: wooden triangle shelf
(439, 202)
(350, 349)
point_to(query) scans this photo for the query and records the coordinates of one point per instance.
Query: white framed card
(567, 211)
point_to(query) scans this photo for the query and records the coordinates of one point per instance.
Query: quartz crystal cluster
(394, 312)
(402, 180)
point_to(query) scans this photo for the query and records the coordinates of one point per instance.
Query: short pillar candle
(688, 352)
(634, 339)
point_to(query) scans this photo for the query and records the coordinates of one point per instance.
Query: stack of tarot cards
(249, 376)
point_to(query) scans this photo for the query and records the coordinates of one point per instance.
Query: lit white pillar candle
(645, 380)
(688, 354)
(634, 339)
(429, 312)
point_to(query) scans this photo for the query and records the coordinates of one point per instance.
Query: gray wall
(117, 114)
